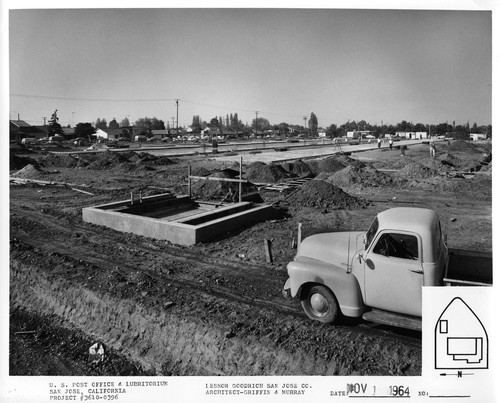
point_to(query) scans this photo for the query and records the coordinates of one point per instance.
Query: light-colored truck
(379, 274)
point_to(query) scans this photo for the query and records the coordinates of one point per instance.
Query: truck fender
(305, 272)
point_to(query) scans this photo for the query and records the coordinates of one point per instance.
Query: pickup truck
(379, 274)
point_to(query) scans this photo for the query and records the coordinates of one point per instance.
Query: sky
(422, 66)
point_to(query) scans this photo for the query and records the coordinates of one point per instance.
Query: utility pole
(256, 114)
(45, 121)
(177, 104)
(305, 117)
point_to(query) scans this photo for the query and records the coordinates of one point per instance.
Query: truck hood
(334, 247)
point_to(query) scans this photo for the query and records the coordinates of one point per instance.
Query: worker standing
(432, 149)
(379, 142)
(390, 143)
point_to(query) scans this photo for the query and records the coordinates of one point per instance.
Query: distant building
(159, 134)
(19, 129)
(478, 136)
(101, 134)
(357, 133)
(412, 135)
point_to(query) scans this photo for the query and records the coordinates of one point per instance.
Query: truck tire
(320, 304)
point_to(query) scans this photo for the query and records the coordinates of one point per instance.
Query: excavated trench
(162, 341)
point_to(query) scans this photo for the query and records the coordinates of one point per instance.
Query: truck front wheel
(320, 304)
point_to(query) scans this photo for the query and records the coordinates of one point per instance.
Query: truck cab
(380, 270)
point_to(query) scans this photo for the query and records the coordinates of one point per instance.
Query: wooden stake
(299, 235)
(189, 180)
(241, 171)
(267, 250)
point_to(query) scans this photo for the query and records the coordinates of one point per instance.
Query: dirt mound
(107, 160)
(16, 162)
(462, 145)
(361, 174)
(30, 171)
(226, 173)
(298, 168)
(146, 158)
(449, 160)
(200, 171)
(59, 160)
(259, 172)
(414, 170)
(132, 156)
(323, 195)
(330, 164)
(218, 190)
(334, 163)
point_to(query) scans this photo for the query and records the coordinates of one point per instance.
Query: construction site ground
(214, 308)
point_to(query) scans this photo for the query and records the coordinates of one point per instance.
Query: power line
(229, 108)
(92, 99)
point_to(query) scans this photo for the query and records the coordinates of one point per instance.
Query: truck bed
(468, 267)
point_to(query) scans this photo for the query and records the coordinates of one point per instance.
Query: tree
(235, 124)
(420, 127)
(101, 124)
(403, 126)
(313, 124)
(125, 123)
(214, 122)
(84, 130)
(113, 124)
(283, 128)
(332, 131)
(54, 126)
(262, 124)
(147, 124)
(196, 121)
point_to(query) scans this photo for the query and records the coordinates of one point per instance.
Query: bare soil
(213, 308)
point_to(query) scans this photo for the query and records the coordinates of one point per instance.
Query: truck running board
(393, 319)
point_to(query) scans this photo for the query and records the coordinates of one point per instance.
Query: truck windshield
(371, 232)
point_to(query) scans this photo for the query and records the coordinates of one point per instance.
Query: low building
(357, 134)
(19, 129)
(101, 134)
(478, 136)
(159, 134)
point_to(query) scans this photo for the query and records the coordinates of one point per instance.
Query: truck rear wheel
(320, 304)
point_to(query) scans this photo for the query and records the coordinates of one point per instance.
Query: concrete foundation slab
(177, 219)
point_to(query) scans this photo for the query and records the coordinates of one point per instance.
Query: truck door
(393, 273)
